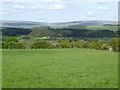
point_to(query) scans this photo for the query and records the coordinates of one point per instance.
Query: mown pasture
(59, 68)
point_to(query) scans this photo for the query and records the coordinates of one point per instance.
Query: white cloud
(4, 11)
(54, 5)
(0, 11)
(52, 1)
(19, 7)
(60, 1)
(44, 6)
(103, 8)
(37, 7)
(15, 7)
(57, 7)
(90, 13)
(13, 1)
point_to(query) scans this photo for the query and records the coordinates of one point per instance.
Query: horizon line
(59, 21)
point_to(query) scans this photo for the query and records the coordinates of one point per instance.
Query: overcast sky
(59, 10)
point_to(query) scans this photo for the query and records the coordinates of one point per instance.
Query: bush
(40, 44)
(115, 44)
(105, 47)
(4, 45)
(12, 45)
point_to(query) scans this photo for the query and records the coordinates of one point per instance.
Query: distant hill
(83, 23)
(29, 24)
(24, 24)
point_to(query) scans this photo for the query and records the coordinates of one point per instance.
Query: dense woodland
(15, 31)
(59, 32)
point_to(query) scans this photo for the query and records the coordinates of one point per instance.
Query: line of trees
(13, 43)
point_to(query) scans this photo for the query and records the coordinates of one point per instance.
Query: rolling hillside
(28, 24)
(63, 29)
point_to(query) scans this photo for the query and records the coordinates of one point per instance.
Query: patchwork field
(59, 68)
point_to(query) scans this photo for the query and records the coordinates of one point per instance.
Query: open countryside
(59, 44)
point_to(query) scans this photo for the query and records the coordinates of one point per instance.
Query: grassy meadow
(113, 28)
(60, 68)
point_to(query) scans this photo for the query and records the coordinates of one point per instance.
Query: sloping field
(113, 28)
(63, 68)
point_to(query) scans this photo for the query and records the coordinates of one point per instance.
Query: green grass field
(60, 68)
(113, 28)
